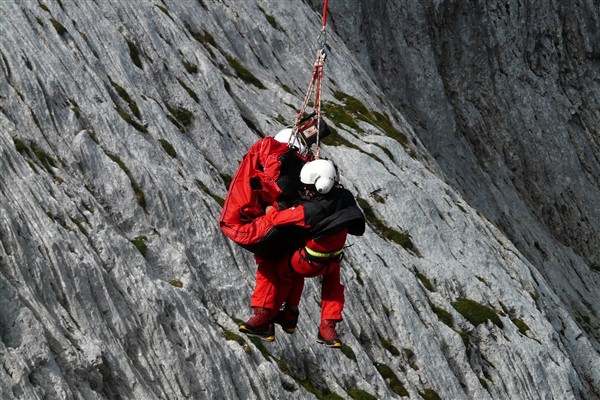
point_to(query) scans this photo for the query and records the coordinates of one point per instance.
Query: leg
(289, 284)
(289, 292)
(322, 257)
(265, 288)
(262, 302)
(332, 294)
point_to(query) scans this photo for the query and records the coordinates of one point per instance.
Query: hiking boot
(287, 319)
(259, 325)
(327, 334)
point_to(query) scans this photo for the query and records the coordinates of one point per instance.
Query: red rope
(315, 84)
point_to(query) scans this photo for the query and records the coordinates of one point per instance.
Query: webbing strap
(323, 255)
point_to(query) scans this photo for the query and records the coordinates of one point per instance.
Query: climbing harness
(318, 254)
(308, 127)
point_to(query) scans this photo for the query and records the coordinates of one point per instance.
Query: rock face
(468, 132)
(504, 93)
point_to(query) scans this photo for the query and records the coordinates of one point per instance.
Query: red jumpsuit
(282, 280)
(255, 185)
(267, 288)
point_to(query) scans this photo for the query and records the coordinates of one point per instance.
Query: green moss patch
(243, 73)
(137, 189)
(189, 91)
(339, 115)
(176, 283)
(60, 29)
(348, 352)
(125, 96)
(425, 281)
(270, 19)
(391, 379)
(168, 148)
(359, 394)
(205, 189)
(206, 40)
(403, 239)
(203, 37)
(476, 313)
(443, 315)
(386, 344)
(383, 122)
(32, 151)
(180, 117)
(20, 146)
(232, 336)
(190, 67)
(134, 53)
(335, 139)
(521, 325)
(352, 110)
(260, 345)
(43, 157)
(129, 119)
(281, 119)
(430, 394)
(140, 243)
(321, 394)
(75, 108)
(79, 224)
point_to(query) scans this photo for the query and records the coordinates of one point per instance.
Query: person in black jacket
(330, 213)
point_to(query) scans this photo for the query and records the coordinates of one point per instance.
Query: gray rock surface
(122, 121)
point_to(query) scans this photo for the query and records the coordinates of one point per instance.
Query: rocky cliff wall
(121, 124)
(499, 92)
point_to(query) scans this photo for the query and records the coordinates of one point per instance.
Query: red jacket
(254, 187)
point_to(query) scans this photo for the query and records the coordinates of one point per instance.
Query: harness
(317, 254)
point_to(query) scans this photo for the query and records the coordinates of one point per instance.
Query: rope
(324, 20)
(315, 85)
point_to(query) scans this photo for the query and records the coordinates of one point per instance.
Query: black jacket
(332, 212)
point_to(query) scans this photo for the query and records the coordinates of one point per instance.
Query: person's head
(320, 175)
(285, 136)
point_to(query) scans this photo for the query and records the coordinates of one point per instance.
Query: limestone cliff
(468, 132)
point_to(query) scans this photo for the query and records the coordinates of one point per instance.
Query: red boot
(259, 325)
(327, 334)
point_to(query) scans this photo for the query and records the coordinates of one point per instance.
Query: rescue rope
(314, 87)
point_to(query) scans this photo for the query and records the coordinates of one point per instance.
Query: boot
(259, 325)
(327, 334)
(287, 318)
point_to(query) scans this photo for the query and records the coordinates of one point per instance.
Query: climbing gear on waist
(317, 254)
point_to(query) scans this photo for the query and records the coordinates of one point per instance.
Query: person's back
(266, 176)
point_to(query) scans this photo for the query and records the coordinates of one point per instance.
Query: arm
(289, 216)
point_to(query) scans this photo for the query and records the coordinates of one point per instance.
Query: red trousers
(282, 280)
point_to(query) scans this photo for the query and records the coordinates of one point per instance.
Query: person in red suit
(267, 179)
(328, 213)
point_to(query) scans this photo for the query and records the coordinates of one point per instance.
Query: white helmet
(285, 136)
(320, 173)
